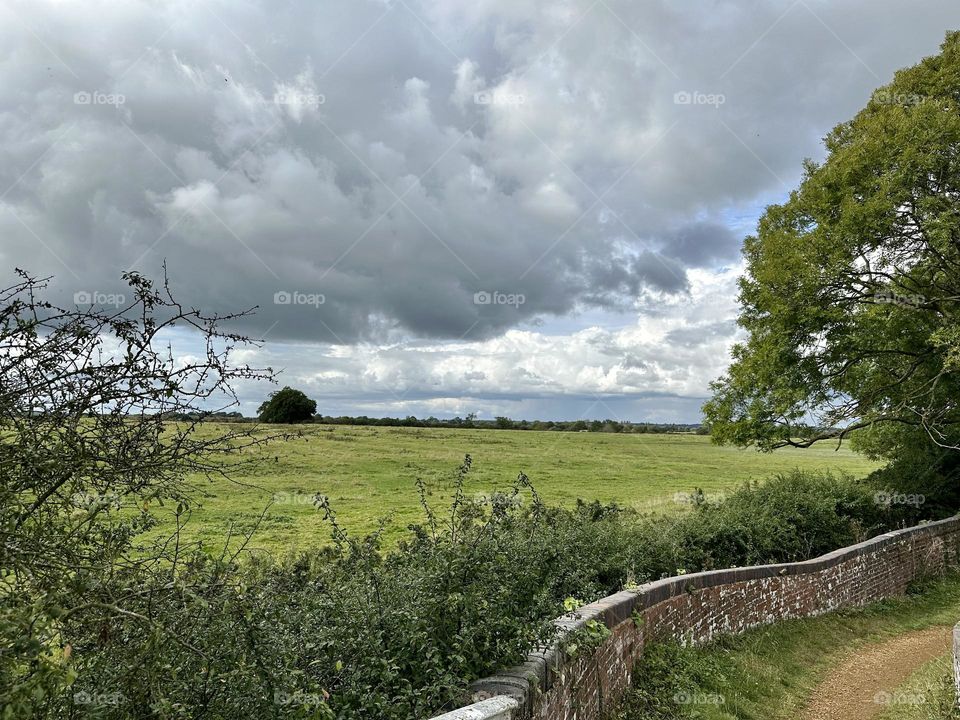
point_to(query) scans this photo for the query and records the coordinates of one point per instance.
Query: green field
(369, 473)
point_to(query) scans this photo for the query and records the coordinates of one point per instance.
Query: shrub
(923, 483)
(788, 518)
(356, 631)
(86, 448)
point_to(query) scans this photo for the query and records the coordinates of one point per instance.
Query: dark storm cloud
(370, 170)
(703, 244)
(396, 164)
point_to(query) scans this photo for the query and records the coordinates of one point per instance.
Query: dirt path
(856, 689)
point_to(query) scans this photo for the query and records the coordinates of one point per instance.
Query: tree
(287, 406)
(86, 451)
(852, 287)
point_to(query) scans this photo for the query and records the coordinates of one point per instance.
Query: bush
(923, 483)
(353, 631)
(789, 518)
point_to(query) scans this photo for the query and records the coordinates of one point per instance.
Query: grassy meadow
(369, 473)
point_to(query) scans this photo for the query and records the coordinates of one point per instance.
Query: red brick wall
(695, 608)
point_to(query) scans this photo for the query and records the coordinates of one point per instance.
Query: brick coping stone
(500, 707)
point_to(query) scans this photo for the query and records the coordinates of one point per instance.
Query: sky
(531, 209)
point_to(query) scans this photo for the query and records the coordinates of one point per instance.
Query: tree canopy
(852, 286)
(287, 406)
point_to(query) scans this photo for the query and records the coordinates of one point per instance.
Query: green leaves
(352, 632)
(852, 290)
(287, 406)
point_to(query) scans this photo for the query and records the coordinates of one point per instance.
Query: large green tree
(287, 406)
(852, 287)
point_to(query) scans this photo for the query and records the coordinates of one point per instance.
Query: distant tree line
(290, 405)
(470, 422)
(293, 406)
(505, 423)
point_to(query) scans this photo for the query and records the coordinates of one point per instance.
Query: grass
(769, 673)
(930, 691)
(369, 473)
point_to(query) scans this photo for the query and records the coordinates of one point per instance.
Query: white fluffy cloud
(671, 352)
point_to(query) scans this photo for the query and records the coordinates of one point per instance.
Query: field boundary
(693, 609)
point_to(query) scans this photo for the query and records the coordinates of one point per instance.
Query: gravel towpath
(858, 687)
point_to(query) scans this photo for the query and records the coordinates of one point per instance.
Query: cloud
(675, 354)
(702, 244)
(397, 159)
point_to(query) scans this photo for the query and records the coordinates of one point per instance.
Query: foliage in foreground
(84, 394)
(354, 631)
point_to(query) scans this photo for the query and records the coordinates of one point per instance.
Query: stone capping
(496, 708)
(956, 662)
(524, 683)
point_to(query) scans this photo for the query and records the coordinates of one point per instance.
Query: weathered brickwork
(695, 608)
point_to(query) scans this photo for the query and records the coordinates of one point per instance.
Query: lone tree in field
(287, 406)
(852, 288)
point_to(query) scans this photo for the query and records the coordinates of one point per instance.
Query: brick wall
(694, 608)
